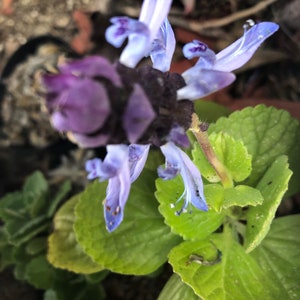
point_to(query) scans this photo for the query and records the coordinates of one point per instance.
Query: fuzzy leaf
(242, 196)
(279, 256)
(197, 224)
(141, 243)
(233, 154)
(64, 251)
(236, 276)
(175, 289)
(267, 133)
(272, 186)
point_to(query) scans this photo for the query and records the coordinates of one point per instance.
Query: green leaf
(175, 289)
(209, 111)
(214, 195)
(21, 232)
(6, 253)
(231, 153)
(237, 276)
(12, 208)
(20, 210)
(279, 255)
(141, 243)
(272, 186)
(242, 196)
(36, 184)
(197, 224)
(155, 158)
(40, 273)
(64, 189)
(36, 246)
(64, 251)
(267, 133)
(35, 192)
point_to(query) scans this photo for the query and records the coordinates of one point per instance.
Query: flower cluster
(129, 108)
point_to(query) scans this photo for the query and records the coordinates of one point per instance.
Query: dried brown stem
(198, 27)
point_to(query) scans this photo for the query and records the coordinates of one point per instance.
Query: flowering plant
(210, 211)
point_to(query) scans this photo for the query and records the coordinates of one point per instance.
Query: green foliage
(27, 220)
(235, 251)
(279, 256)
(140, 245)
(254, 146)
(64, 251)
(236, 276)
(272, 186)
(231, 153)
(175, 289)
(197, 224)
(267, 133)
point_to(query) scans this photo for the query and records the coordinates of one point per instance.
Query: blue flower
(178, 162)
(140, 33)
(121, 166)
(212, 72)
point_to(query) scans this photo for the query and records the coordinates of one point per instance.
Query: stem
(199, 131)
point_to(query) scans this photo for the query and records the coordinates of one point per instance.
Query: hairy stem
(199, 131)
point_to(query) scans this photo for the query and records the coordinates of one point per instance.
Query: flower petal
(163, 48)
(138, 39)
(202, 82)
(199, 49)
(93, 166)
(118, 190)
(88, 141)
(192, 178)
(239, 52)
(138, 114)
(176, 159)
(92, 66)
(179, 137)
(116, 157)
(122, 27)
(116, 196)
(137, 158)
(83, 108)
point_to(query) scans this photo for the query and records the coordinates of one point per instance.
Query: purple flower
(77, 102)
(213, 72)
(178, 162)
(138, 114)
(140, 33)
(163, 47)
(121, 166)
